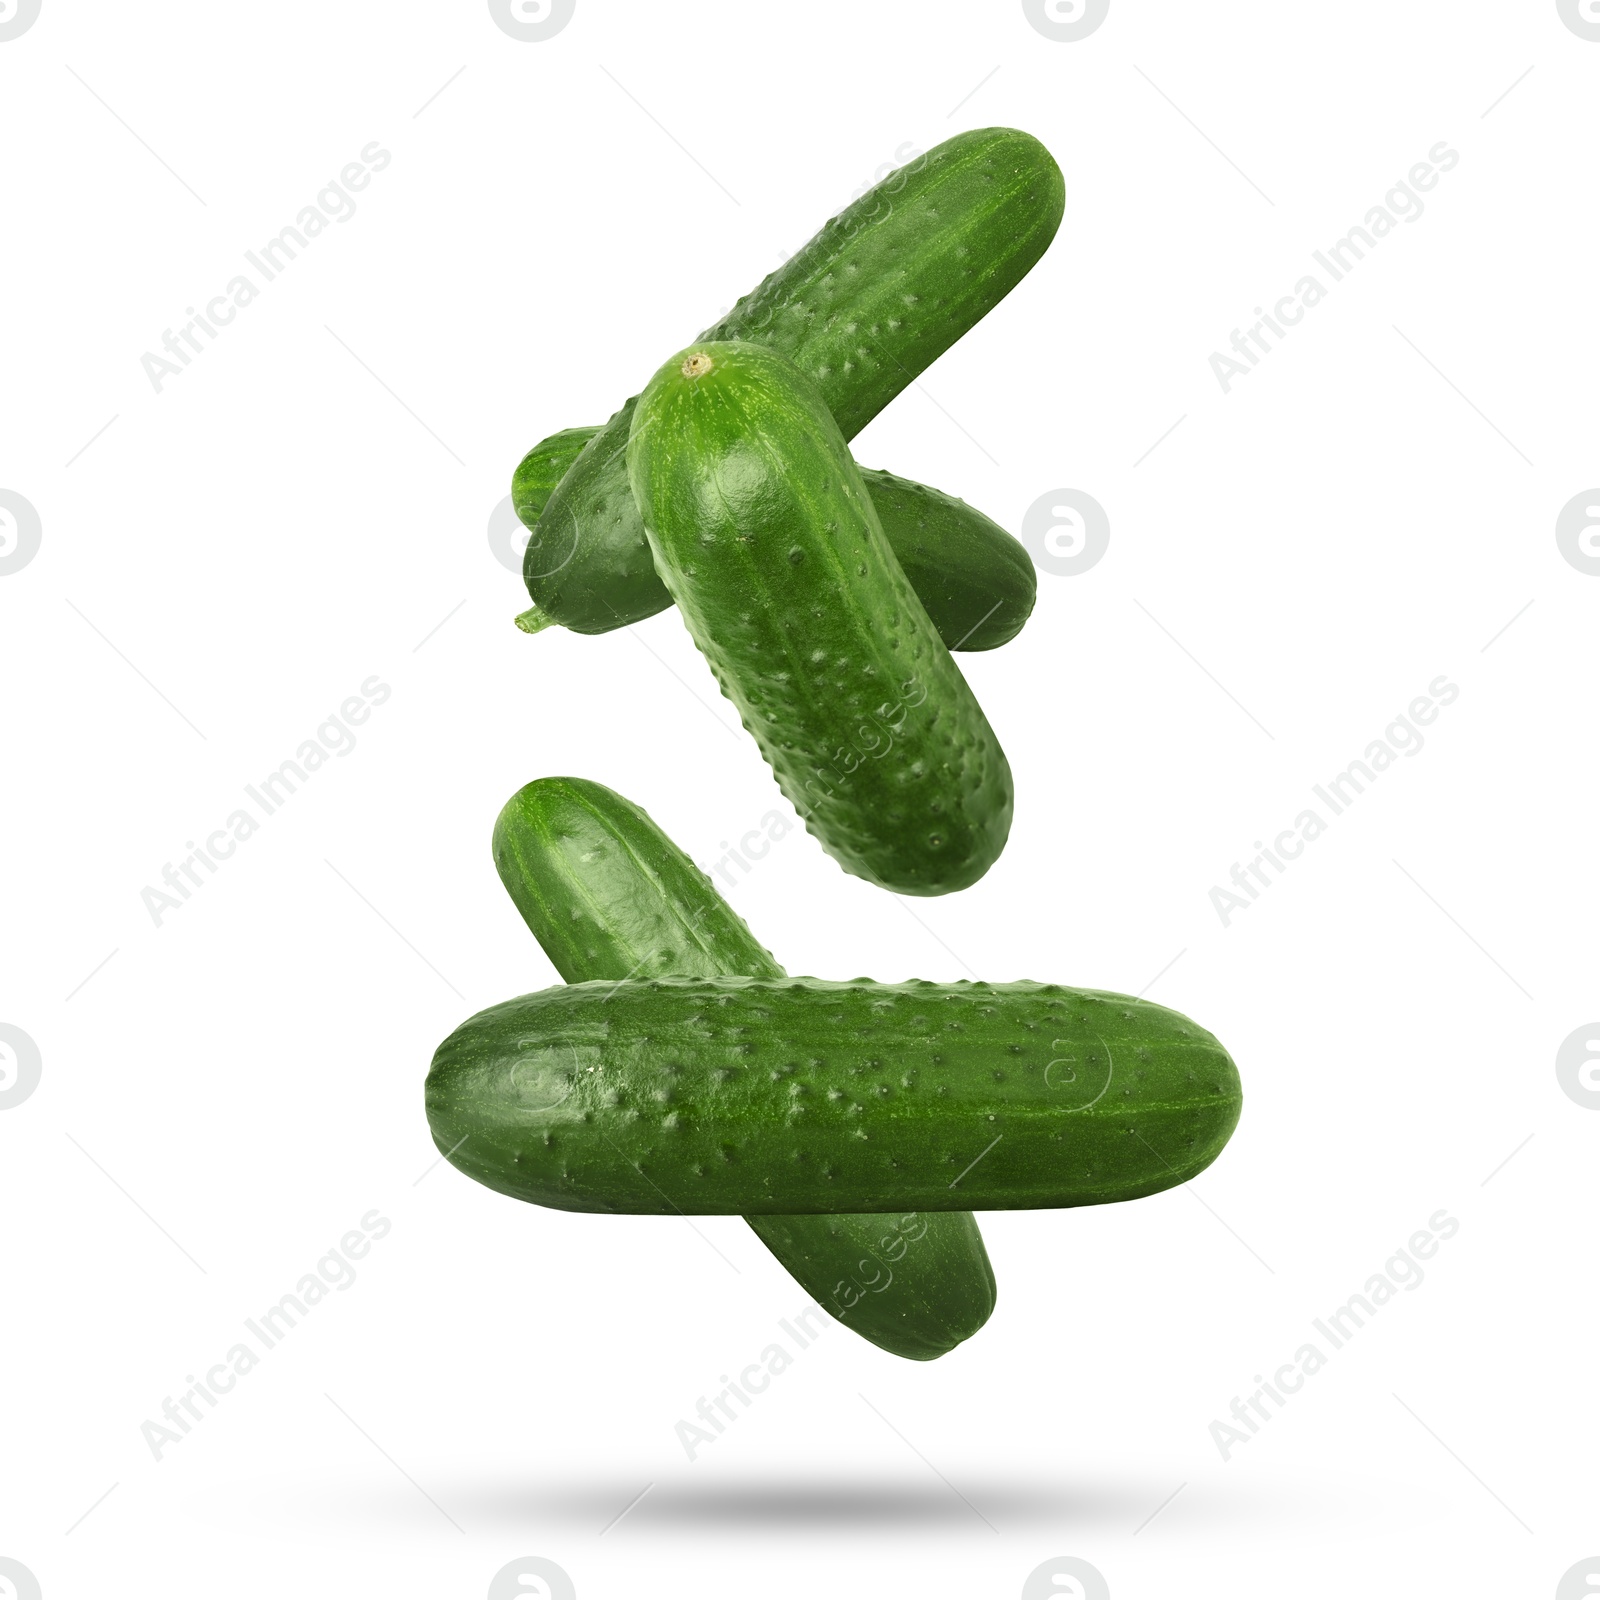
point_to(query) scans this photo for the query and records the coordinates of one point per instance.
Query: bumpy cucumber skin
(881, 292)
(608, 895)
(915, 1285)
(798, 1096)
(974, 580)
(766, 537)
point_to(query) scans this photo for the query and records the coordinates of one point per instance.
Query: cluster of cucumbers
(855, 1125)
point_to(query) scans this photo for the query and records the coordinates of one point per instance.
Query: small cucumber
(543, 468)
(886, 287)
(795, 1096)
(764, 534)
(609, 895)
(974, 580)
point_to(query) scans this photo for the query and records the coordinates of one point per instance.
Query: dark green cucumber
(974, 580)
(609, 895)
(884, 289)
(916, 1285)
(794, 1096)
(766, 537)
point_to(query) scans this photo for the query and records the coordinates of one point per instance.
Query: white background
(307, 506)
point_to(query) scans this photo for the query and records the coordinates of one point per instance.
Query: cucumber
(609, 895)
(885, 288)
(543, 468)
(764, 534)
(798, 1096)
(915, 1285)
(974, 580)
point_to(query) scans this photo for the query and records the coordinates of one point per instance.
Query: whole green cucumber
(766, 537)
(974, 580)
(789, 1096)
(885, 288)
(609, 895)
